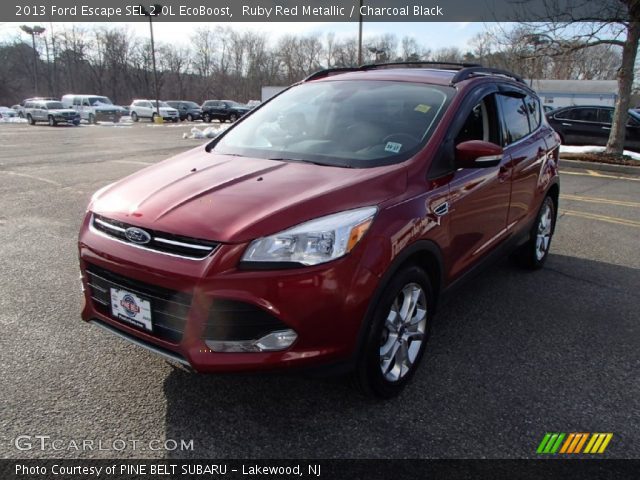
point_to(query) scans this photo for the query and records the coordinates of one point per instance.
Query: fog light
(272, 342)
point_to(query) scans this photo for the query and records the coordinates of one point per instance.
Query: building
(565, 93)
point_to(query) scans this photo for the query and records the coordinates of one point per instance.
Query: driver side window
(481, 123)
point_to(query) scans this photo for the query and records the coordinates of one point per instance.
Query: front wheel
(92, 119)
(397, 335)
(534, 253)
(134, 116)
(207, 118)
(233, 117)
(189, 118)
(52, 121)
(30, 120)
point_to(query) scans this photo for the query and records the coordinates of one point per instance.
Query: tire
(395, 341)
(175, 120)
(233, 117)
(21, 115)
(207, 118)
(134, 116)
(92, 119)
(189, 118)
(30, 119)
(52, 121)
(533, 254)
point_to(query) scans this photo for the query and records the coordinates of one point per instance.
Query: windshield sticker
(422, 108)
(392, 147)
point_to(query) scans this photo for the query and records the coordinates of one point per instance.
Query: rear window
(342, 123)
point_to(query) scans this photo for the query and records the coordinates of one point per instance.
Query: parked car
(187, 110)
(325, 236)
(93, 108)
(20, 107)
(6, 112)
(50, 111)
(253, 103)
(148, 109)
(223, 110)
(591, 125)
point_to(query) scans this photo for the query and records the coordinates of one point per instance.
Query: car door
(40, 112)
(479, 197)
(632, 138)
(527, 150)
(587, 127)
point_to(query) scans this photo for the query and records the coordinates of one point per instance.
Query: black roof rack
(466, 73)
(443, 65)
(464, 70)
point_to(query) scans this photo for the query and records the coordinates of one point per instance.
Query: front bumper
(324, 304)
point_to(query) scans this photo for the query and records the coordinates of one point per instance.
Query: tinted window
(515, 118)
(580, 114)
(605, 115)
(533, 109)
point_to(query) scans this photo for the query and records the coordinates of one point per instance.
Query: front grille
(230, 320)
(169, 308)
(167, 243)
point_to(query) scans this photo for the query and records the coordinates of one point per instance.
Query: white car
(147, 109)
(93, 108)
(6, 112)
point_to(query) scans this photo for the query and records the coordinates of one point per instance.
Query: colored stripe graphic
(573, 443)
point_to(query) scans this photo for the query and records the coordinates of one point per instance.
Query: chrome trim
(488, 158)
(106, 304)
(108, 225)
(140, 343)
(441, 209)
(93, 229)
(181, 244)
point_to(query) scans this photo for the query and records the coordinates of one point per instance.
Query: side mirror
(478, 154)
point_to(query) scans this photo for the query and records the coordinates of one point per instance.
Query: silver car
(52, 112)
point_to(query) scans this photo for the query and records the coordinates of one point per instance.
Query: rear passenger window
(533, 110)
(605, 115)
(515, 118)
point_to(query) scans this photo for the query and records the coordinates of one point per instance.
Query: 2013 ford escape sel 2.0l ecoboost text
(321, 228)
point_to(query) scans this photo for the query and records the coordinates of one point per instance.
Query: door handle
(567, 124)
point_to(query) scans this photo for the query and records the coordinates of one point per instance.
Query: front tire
(398, 333)
(233, 117)
(207, 118)
(134, 116)
(52, 121)
(92, 119)
(189, 118)
(534, 253)
(30, 119)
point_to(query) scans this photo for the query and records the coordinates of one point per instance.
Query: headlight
(314, 242)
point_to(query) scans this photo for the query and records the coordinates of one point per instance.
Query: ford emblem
(137, 235)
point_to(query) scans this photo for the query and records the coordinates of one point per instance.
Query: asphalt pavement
(513, 354)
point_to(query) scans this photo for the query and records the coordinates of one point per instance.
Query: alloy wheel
(403, 332)
(543, 236)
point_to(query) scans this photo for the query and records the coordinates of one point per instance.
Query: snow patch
(13, 120)
(209, 132)
(594, 149)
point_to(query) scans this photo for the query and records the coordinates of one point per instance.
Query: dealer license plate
(130, 308)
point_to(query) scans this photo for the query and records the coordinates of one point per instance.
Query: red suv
(321, 229)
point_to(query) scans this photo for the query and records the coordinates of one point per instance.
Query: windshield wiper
(297, 160)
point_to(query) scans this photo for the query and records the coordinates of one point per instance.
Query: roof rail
(469, 72)
(464, 70)
(328, 71)
(443, 65)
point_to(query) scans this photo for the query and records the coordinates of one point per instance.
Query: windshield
(344, 123)
(231, 103)
(192, 105)
(54, 105)
(162, 104)
(94, 101)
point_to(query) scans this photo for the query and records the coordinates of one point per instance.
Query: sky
(433, 35)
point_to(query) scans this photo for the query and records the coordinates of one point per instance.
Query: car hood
(61, 111)
(236, 199)
(168, 110)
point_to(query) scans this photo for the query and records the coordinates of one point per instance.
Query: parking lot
(513, 355)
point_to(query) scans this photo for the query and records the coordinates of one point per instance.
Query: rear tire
(233, 117)
(398, 333)
(533, 254)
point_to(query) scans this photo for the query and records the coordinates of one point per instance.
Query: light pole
(33, 31)
(360, 35)
(156, 11)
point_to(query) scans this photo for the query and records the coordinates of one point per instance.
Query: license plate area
(131, 308)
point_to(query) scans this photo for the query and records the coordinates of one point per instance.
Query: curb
(604, 167)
